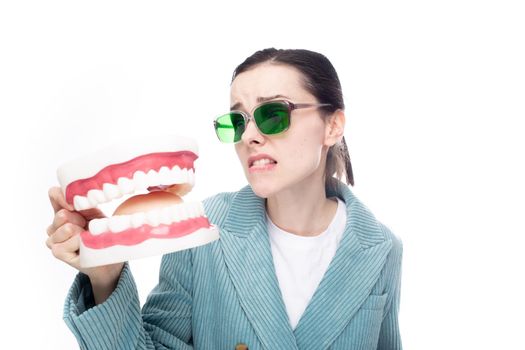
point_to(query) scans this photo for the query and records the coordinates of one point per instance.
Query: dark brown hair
(321, 80)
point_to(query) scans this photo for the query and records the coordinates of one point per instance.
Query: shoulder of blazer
(397, 244)
(217, 206)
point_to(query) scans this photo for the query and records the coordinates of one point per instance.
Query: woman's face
(297, 155)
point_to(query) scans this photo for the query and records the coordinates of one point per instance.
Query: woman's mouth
(261, 163)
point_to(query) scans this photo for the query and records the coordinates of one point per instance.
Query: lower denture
(133, 236)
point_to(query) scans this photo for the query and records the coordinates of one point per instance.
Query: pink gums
(145, 163)
(138, 235)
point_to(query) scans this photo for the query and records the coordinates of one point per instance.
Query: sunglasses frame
(247, 117)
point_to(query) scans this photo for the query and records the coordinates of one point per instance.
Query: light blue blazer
(226, 293)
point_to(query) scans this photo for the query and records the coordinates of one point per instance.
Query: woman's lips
(260, 159)
(261, 168)
(261, 163)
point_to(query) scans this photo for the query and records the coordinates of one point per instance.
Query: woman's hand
(64, 242)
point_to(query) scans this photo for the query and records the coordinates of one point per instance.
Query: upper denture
(116, 180)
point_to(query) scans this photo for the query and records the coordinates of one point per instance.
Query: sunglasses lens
(230, 127)
(272, 118)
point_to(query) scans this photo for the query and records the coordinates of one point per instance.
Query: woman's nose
(251, 134)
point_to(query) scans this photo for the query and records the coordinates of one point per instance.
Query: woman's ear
(335, 127)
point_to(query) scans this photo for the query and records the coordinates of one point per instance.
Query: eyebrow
(260, 100)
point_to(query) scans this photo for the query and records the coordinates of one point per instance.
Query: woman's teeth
(140, 181)
(263, 162)
(155, 217)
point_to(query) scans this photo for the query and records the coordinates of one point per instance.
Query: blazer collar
(346, 284)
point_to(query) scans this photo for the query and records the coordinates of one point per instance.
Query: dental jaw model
(148, 224)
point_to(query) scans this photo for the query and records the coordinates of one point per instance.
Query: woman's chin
(263, 190)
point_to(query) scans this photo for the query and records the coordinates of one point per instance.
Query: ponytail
(338, 164)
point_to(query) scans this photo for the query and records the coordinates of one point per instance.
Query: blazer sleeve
(118, 323)
(389, 336)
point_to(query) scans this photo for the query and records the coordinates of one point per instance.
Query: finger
(64, 216)
(75, 261)
(65, 232)
(56, 197)
(67, 251)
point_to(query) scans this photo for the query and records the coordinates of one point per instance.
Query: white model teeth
(261, 162)
(164, 175)
(153, 178)
(137, 219)
(118, 223)
(96, 197)
(166, 216)
(152, 218)
(98, 226)
(111, 191)
(141, 181)
(81, 203)
(126, 185)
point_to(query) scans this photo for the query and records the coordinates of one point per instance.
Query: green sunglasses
(270, 117)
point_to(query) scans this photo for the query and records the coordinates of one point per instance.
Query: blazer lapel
(249, 260)
(349, 279)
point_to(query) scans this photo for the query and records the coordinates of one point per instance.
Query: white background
(435, 108)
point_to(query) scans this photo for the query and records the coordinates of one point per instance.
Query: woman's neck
(301, 212)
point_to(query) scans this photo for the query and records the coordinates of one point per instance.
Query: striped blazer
(225, 295)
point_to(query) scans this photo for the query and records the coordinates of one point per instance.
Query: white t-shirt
(300, 262)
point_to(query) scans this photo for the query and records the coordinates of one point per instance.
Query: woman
(301, 263)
